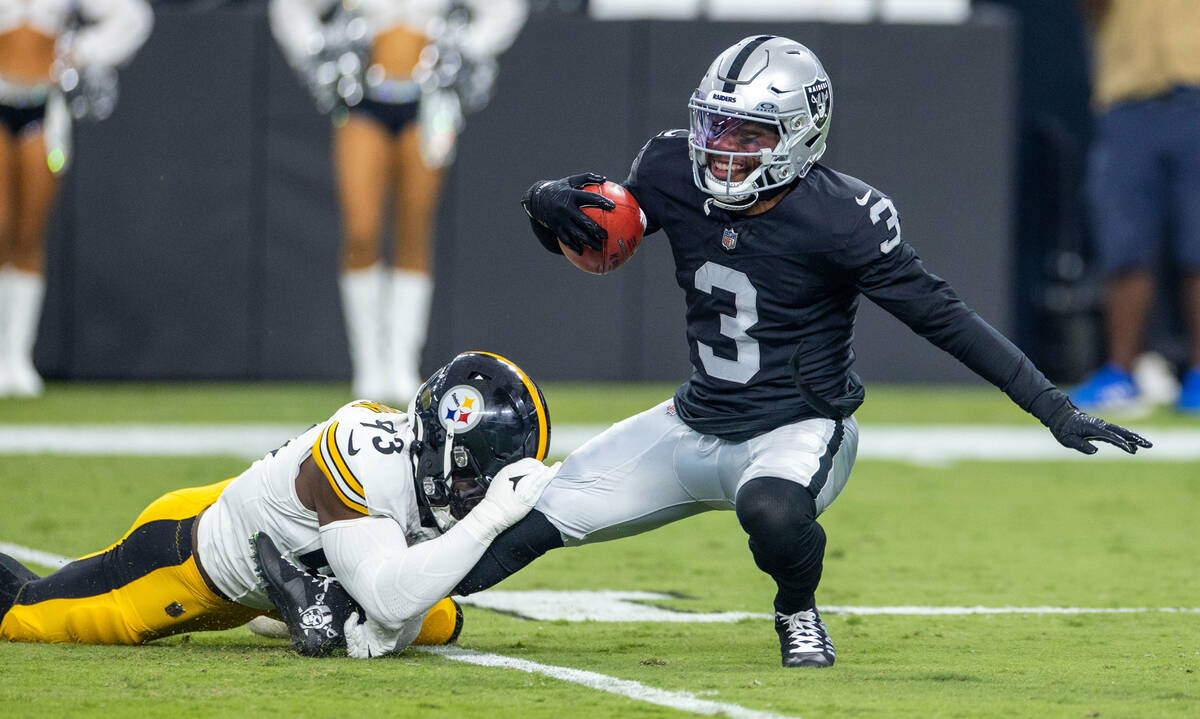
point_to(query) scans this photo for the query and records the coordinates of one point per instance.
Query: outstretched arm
(900, 284)
(396, 584)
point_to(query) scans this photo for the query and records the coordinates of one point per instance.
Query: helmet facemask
(451, 493)
(710, 126)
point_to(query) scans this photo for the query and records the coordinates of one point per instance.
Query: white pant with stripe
(652, 469)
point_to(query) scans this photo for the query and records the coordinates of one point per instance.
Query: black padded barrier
(196, 234)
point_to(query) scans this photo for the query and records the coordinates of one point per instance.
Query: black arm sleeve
(899, 283)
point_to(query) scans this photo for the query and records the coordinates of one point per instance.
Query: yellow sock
(442, 623)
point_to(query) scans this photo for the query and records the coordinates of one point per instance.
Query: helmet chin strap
(733, 205)
(442, 515)
(446, 454)
(753, 198)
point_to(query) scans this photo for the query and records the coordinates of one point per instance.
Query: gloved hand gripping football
(556, 209)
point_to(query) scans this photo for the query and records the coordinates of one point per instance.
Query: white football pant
(652, 469)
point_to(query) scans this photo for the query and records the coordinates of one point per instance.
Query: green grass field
(1065, 534)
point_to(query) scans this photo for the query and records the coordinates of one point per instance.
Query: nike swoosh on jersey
(863, 200)
(350, 448)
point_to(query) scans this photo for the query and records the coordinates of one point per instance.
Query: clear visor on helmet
(716, 131)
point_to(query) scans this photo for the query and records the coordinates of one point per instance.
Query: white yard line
(36, 556)
(683, 701)
(931, 444)
(175, 440)
(632, 606)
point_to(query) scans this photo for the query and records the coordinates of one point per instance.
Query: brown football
(625, 224)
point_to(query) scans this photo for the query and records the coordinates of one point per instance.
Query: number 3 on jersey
(745, 302)
(893, 222)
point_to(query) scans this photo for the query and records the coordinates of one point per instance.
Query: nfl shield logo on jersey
(729, 238)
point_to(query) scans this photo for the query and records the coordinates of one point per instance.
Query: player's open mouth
(722, 170)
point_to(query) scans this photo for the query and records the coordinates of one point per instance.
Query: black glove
(314, 608)
(1075, 429)
(556, 205)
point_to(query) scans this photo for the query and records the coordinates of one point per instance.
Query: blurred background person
(1144, 179)
(45, 43)
(397, 77)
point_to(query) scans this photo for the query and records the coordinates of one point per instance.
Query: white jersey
(112, 32)
(362, 451)
(493, 27)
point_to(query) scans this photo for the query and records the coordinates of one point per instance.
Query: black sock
(516, 547)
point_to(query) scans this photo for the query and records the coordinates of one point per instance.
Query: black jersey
(786, 282)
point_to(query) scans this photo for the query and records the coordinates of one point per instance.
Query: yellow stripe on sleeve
(340, 462)
(357, 503)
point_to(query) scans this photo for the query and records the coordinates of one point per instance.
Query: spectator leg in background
(417, 191)
(362, 168)
(1127, 301)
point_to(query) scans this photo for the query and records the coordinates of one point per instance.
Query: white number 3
(745, 302)
(893, 223)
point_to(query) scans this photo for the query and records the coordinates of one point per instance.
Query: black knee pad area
(769, 505)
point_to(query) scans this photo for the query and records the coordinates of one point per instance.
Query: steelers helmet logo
(461, 408)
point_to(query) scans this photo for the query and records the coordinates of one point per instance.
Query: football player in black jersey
(772, 250)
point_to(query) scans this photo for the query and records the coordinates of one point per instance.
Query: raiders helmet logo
(819, 101)
(316, 617)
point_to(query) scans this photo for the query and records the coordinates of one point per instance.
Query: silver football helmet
(763, 79)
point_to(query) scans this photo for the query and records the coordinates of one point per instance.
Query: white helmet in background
(764, 79)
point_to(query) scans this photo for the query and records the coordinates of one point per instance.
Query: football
(625, 224)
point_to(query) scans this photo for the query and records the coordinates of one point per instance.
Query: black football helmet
(471, 418)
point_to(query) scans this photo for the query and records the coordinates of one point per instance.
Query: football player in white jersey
(399, 504)
(394, 76)
(40, 40)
